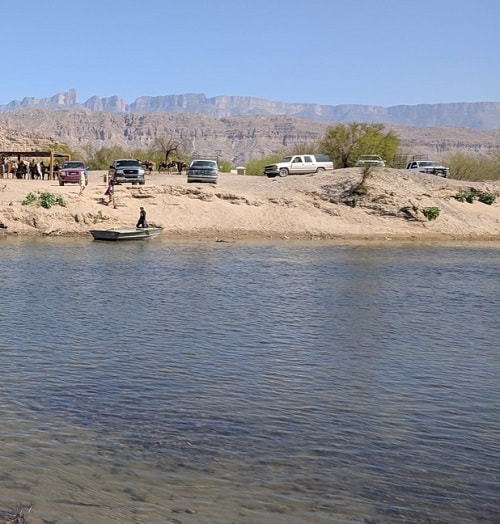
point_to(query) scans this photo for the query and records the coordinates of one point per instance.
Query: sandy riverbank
(305, 206)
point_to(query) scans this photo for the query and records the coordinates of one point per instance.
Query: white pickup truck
(430, 167)
(299, 165)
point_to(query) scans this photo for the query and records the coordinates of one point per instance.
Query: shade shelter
(36, 154)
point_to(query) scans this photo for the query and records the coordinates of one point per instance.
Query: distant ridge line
(475, 115)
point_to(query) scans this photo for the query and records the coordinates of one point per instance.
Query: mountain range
(474, 115)
(237, 129)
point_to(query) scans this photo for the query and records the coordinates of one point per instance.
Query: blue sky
(374, 52)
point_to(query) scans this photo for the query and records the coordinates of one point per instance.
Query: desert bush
(29, 199)
(468, 167)
(45, 199)
(466, 196)
(487, 198)
(256, 167)
(351, 202)
(431, 213)
(225, 166)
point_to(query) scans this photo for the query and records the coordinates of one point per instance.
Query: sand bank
(390, 204)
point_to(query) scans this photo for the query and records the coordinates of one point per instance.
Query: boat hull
(131, 233)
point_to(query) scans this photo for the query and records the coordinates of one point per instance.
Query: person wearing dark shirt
(142, 219)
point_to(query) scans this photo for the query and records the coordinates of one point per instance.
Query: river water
(250, 382)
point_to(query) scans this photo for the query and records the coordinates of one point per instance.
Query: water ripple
(335, 382)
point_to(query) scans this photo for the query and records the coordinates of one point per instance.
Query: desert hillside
(390, 204)
(237, 139)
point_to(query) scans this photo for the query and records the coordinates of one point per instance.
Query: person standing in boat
(142, 219)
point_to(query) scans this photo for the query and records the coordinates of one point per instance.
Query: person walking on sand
(83, 182)
(142, 219)
(110, 192)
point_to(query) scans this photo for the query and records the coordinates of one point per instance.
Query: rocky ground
(389, 204)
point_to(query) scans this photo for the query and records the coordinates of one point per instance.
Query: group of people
(110, 193)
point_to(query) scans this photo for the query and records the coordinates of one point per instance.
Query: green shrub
(468, 167)
(351, 202)
(466, 196)
(487, 198)
(431, 213)
(30, 198)
(225, 166)
(46, 200)
(256, 167)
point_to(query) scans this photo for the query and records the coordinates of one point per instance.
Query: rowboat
(128, 233)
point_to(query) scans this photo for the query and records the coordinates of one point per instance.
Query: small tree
(103, 157)
(166, 147)
(346, 142)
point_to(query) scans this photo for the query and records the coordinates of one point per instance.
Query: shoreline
(301, 207)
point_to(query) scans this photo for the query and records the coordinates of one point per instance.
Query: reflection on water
(218, 383)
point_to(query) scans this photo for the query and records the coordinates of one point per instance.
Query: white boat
(128, 233)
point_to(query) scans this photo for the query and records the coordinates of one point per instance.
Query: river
(250, 382)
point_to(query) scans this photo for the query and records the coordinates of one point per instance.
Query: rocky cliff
(237, 139)
(477, 115)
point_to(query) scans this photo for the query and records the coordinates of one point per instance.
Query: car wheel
(283, 171)
(320, 169)
(61, 183)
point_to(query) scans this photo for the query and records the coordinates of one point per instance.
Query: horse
(9, 167)
(165, 165)
(181, 166)
(148, 165)
(22, 170)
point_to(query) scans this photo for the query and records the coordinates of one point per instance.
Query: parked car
(70, 172)
(126, 170)
(430, 167)
(299, 165)
(370, 160)
(203, 171)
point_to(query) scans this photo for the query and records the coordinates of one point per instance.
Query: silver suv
(203, 171)
(126, 170)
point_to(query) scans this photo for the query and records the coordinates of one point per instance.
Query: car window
(127, 163)
(204, 163)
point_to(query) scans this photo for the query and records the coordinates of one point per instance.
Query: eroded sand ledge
(389, 206)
